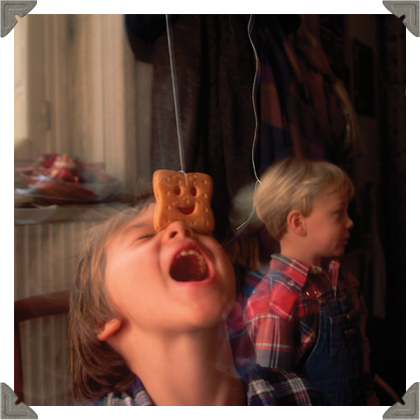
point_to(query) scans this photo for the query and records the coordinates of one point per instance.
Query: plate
(61, 192)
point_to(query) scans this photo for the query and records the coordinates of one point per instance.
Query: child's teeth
(184, 253)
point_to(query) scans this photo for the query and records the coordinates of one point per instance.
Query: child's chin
(208, 320)
(210, 314)
(339, 253)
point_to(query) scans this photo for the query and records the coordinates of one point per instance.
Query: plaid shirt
(263, 387)
(282, 314)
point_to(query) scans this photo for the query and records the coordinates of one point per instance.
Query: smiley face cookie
(182, 196)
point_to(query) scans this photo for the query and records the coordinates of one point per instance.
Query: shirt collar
(294, 269)
(257, 388)
(299, 271)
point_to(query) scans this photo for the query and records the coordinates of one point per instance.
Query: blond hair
(96, 368)
(292, 184)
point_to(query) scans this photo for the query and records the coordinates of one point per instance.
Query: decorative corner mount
(408, 410)
(410, 9)
(10, 8)
(8, 407)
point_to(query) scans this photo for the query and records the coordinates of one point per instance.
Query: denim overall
(335, 363)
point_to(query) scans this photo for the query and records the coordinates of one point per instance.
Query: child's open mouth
(189, 265)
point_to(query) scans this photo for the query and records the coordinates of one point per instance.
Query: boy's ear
(295, 221)
(109, 329)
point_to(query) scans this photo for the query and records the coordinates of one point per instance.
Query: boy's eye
(340, 213)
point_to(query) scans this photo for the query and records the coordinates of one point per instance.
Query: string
(175, 94)
(178, 117)
(254, 86)
(243, 225)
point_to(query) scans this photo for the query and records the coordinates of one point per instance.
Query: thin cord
(254, 85)
(257, 64)
(175, 94)
(242, 226)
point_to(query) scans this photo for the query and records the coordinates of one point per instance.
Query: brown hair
(292, 184)
(96, 368)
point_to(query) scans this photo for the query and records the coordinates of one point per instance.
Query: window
(77, 90)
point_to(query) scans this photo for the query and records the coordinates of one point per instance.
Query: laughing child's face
(167, 281)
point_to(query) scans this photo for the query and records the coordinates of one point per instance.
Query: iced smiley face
(183, 197)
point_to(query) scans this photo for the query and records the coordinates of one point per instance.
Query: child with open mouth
(149, 322)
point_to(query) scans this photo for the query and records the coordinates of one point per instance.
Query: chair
(33, 307)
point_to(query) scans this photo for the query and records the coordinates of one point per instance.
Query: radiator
(45, 260)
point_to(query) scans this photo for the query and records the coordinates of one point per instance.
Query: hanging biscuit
(181, 196)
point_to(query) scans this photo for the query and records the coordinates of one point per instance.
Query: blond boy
(307, 315)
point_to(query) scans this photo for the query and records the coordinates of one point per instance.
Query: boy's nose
(178, 229)
(350, 223)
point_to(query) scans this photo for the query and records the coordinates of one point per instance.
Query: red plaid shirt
(282, 314)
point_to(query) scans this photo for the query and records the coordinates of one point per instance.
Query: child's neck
(300, 253)
(189, 369)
